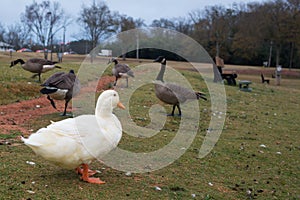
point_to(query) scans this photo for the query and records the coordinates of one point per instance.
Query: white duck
(76, 142)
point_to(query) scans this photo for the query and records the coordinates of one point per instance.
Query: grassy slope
(269, 115)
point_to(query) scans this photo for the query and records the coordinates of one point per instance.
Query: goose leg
(51, 101)
(86, 177)
(116, 81)
(179, 110)
(65, 110)
(34, 75)
(172, 114)
(127, 82)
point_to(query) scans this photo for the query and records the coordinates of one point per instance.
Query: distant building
(5, 47)
(105, 52)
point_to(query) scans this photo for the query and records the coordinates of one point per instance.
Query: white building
(4, 46)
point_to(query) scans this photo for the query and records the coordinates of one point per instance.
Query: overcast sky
(146, 9)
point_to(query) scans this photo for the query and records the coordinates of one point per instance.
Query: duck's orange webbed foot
(86, 176)
(79, 170)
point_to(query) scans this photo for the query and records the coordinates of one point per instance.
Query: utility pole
(50, 33)
(270, 54)
(137, 46)
(64, 40)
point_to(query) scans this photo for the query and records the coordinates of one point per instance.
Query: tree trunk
(277, 55)
(217, 49)
(291, 55)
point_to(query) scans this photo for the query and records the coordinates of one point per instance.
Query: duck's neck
(160, 76)
(103, 109)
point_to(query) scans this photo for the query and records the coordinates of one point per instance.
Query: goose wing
(61, 80)
(41, 61)
(184, 94)
(173, 93)
(122, 68)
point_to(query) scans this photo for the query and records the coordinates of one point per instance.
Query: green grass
(268, 115)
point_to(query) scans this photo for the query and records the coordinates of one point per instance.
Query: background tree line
(243, 34)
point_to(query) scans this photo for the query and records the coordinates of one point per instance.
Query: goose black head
(160, 59)
(114, 60)
(71, 71)
(13, 63)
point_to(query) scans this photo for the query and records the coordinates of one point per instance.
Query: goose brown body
(171, 93)
(120, 71)
(61, 86)
(36, 65)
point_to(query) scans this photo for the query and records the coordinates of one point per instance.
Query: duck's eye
(115, 95)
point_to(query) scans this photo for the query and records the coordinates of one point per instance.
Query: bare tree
(125, 23)
(163, 23)
(18, 35)
(293, 28)
(2, 32)
(45, 19)
(97, 22)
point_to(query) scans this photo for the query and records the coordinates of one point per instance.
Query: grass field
(256, 157)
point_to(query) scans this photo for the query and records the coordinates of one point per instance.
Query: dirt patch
(14, 116)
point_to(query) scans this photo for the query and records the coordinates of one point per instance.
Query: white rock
(128, 173)
(157, 188)
(30, 163)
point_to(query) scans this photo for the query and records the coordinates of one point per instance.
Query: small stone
(248, 192)
(157, 188)
(128, 173)
(263, 146)
(30, 163)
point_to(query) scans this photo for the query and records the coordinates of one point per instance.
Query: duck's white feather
(73, 141)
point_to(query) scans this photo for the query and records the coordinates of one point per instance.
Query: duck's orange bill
(120, 105)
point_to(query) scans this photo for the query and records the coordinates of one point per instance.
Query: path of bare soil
(14, 116)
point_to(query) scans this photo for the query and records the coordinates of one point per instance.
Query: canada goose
(171, 93)
(120, 71)
(36, 65)
(61, 86)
